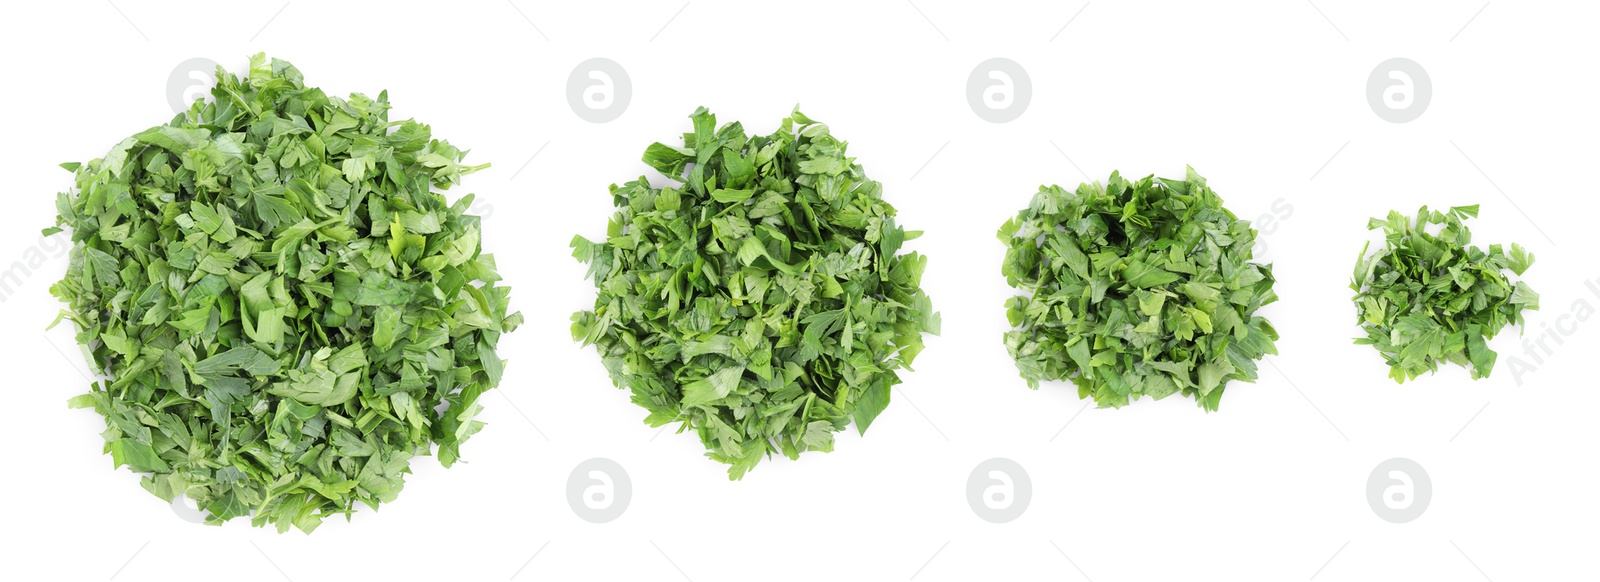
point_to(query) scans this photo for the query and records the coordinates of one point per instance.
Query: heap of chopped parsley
(1131, 289)
(283, 310)
(1425, 298)
(762, 301)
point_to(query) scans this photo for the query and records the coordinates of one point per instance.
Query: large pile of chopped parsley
(283, 310)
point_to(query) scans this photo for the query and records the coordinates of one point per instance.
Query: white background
(1266, 99)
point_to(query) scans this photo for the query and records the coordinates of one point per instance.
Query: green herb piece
(762, 300)
(1135, 289)
(284, 310)
(1423, 298)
